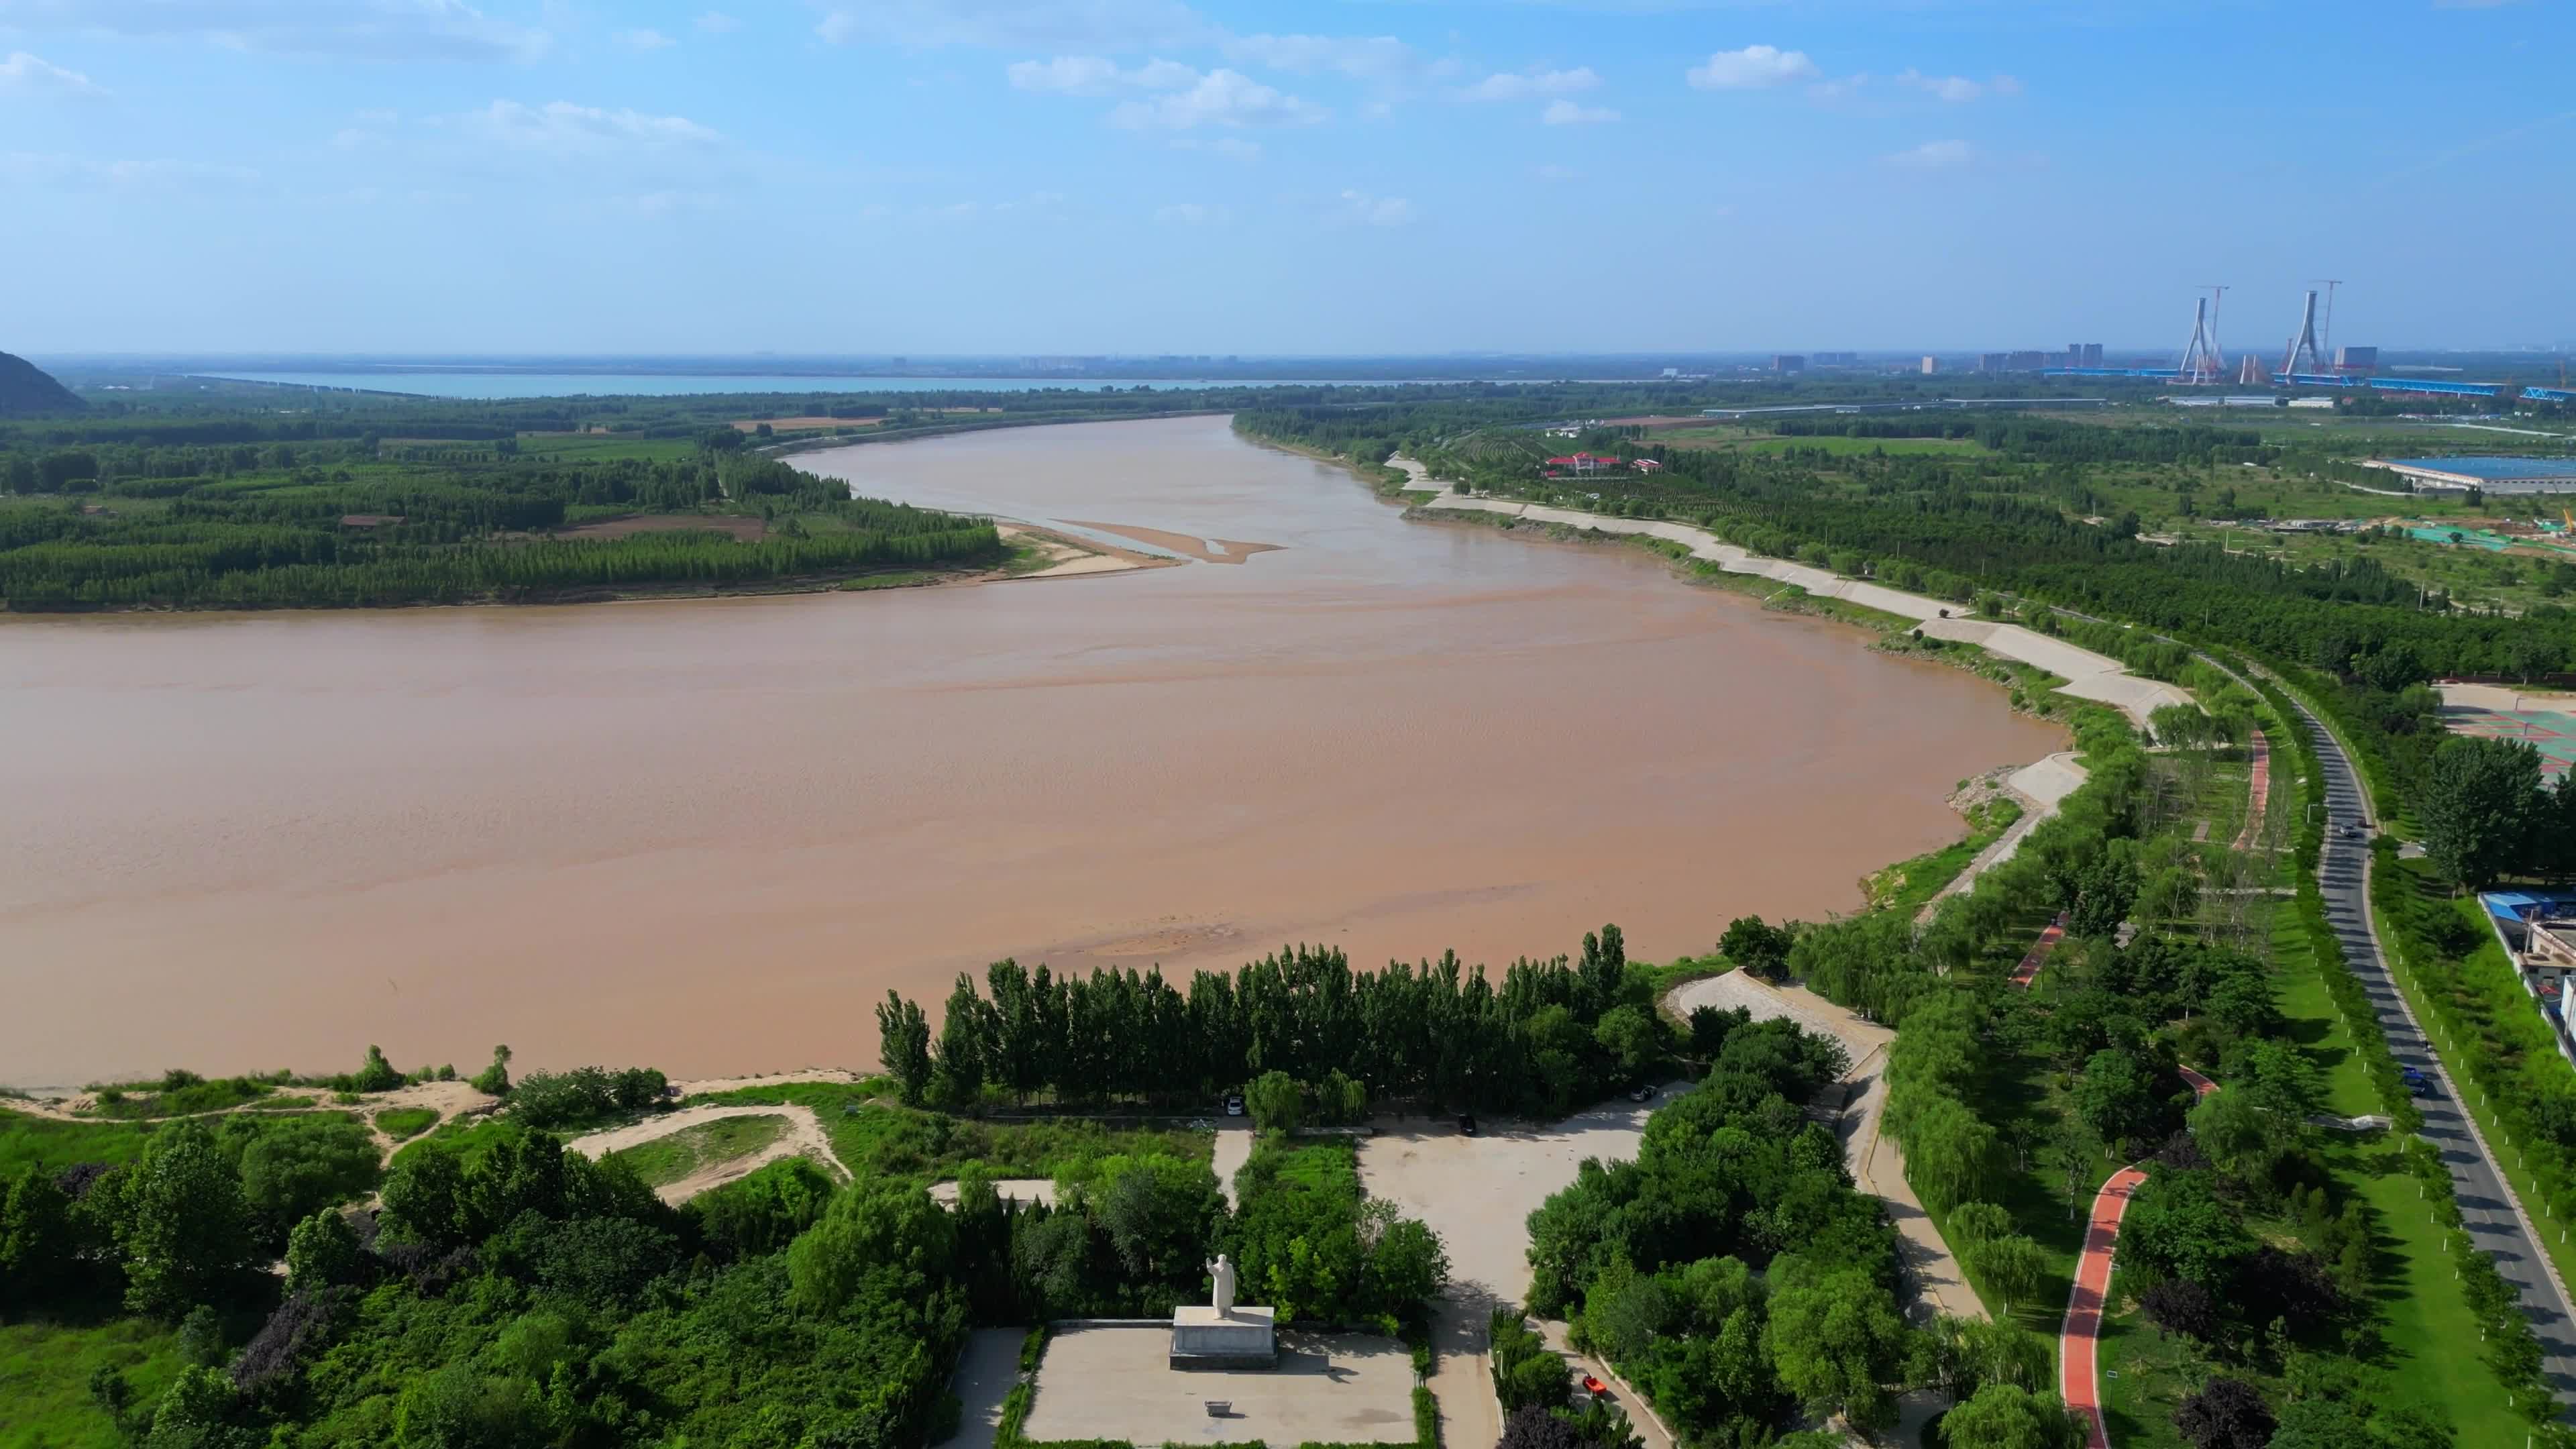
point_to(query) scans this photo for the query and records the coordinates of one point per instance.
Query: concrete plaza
(1117, 1383)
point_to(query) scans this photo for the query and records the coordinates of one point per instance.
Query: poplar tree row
(1553, 1034)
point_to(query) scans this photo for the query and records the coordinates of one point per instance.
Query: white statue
(1223, 1271)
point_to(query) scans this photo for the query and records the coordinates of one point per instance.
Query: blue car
(2419, 1083)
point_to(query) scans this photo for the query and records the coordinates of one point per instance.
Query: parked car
(1467, 1124)
(1234, 1104)
(1595, 1387)
(1642, 1094)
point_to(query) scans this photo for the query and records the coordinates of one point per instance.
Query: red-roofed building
(1648, 465)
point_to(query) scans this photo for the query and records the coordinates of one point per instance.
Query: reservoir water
(708, 836)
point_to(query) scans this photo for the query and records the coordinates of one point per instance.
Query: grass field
(1747, 440)
(45, 1370)
(52, 1145)
(401, 1123)
(872, 1136)
(666, 1160)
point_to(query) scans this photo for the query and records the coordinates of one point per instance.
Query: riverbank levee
(2088, 675)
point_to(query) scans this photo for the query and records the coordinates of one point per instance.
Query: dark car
(1642, 1094)
(1467, 1124)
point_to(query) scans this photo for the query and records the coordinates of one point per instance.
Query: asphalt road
(2494, 1219)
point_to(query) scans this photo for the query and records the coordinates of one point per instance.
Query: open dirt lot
(1117, 1383)
(1477, 1193)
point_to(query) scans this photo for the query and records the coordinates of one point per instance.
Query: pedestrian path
(2079, 1368)
(2258, 784)
(2037, 956)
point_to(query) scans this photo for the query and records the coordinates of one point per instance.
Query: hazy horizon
(964, 178)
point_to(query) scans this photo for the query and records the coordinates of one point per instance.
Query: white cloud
(716, 22)
(1956, 89)
(1839, 90)
(1379, 59)
(1369, 210)
(643, 39)
(1567, 113)
(340, 29)
(2005, 85)
(564, 129)
(1935, 156)
(33, 75)
(1233, 148)
(1755, 67)
(1512, 86)
(1192, 213)
(1017, 24)
(1221, 97)
(355, 138)
(1093, 75)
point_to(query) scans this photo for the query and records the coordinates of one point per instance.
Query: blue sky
(1082, 176)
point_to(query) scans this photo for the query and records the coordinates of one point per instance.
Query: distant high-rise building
(1835, 359)
(1931, 365)
(2026, 361)
(2356, 359)
(1993, 361)
(1788, 362)
(2088, 354)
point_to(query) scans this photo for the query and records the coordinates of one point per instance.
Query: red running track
(2028, 971)
(2079, 1368)
(2259, 783)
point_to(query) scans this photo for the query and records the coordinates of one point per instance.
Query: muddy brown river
(708, 836)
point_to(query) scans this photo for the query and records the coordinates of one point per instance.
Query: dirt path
(803, 1137)
(1877, 1163)
(2258, 785)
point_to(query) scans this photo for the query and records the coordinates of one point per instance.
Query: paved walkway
(2037, 956)
(2079, 1368)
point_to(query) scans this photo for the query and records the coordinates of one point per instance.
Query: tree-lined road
(2488, 1209)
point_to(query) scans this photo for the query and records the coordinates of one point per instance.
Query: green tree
(2005, 1416)
(2478, 805)
(1836, 1342)
(494, 1080)
(888, 1227)
(2012, 1265)
(2116, 1098)
(1756, 947)
(903, 1045)
(375, 1074)
(321, 1252)
(39, 1239)
(1630, 1041)
(965, 1045)
(1276, 1101)
(197, 1412)
(185, 1229)
(295, 1168)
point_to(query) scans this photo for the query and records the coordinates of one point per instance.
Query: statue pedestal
(1237, 1338)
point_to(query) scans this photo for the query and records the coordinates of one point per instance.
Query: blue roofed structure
(2492, 475)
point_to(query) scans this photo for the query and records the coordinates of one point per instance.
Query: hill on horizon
(26, 389)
